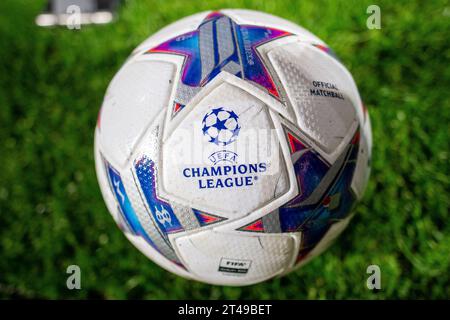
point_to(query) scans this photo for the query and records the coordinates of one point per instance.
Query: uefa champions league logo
(221, 126)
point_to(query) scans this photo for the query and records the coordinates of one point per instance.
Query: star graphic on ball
(221, 126)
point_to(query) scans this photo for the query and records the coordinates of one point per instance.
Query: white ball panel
(367, 132)
(137, 94)
(362, 169)
(327, 120)
(264, 256)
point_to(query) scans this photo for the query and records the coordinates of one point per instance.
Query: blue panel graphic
(226, 46)
(161, 211)
(335, 205)
(127, 211)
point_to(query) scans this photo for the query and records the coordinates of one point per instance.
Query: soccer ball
(232, 146)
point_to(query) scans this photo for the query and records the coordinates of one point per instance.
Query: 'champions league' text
(225, 176)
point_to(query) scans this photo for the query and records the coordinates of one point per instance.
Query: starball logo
(221, 127)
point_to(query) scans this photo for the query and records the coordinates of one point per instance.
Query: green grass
(52, 215)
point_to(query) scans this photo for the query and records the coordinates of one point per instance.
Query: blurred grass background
(52, 215)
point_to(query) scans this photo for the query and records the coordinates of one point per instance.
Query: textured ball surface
(232, 146)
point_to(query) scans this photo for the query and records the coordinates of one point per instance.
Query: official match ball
(232, 146)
